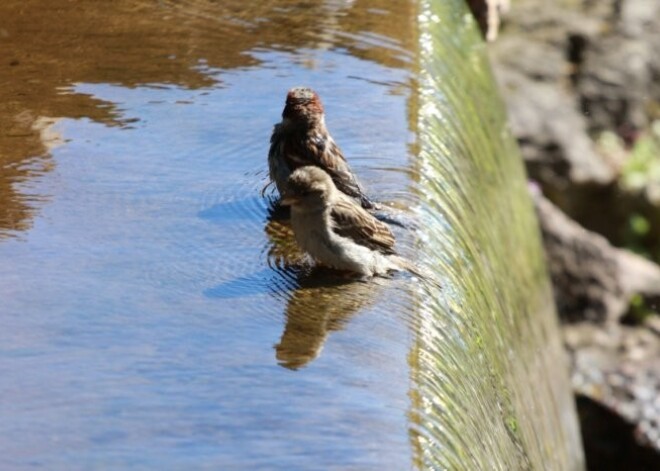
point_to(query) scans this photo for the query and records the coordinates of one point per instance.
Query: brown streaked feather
(351, 221)
(332, 160)
(322, 151)
(301, 139)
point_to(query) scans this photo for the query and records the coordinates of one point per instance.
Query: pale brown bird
(301, 139)
(335, 230)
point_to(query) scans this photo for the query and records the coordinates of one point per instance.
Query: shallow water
(155, 317)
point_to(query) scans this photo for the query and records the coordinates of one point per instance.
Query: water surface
(151, 317)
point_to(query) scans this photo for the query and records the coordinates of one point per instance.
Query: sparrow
(302, 139)
(335, 230)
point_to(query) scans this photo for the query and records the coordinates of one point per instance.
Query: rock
(621, 380)
(615, 82)
(593, 281)
(534, 72)
(487, 13)
(551, 132)
(615, 368)
(570, 72)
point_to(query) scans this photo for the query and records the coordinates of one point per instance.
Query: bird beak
(289, 200)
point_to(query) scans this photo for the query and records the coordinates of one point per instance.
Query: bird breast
(314, 233)
(315, 236)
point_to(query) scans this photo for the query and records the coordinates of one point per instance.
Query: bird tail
(366, 203)
(407, 265)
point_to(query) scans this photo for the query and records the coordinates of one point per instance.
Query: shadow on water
(260, 282)
(230, 212)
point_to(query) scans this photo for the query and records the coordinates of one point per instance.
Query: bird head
(308, 188)
(303, 106)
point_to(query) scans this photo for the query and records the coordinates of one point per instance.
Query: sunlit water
(154, 317)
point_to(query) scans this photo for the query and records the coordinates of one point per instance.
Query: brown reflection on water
(282, 248)
(46, 47)
(323, 303)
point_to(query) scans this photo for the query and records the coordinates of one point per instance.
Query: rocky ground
(614, 356)
(581, 79)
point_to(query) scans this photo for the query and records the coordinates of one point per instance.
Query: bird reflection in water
(323, 300)
(321, 304)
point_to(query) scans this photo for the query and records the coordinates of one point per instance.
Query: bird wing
(351, 221)
(290, 150)
(330, 158)
(278, 169)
